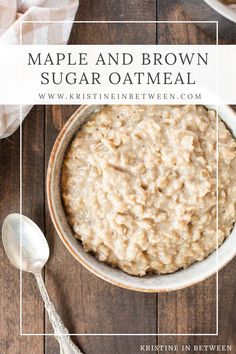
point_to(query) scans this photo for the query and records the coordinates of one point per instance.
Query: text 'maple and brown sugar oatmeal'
(139, 186)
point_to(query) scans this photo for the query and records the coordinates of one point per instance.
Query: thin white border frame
(217, 111)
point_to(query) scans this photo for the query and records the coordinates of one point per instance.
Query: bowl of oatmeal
(132, 192)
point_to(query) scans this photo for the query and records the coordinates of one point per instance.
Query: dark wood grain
(33, 207)
(10, 340)
(180, 33)
(91, 305)
(199, 11)
(104, 10)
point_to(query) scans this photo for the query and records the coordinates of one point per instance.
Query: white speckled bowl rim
(222, 9)
(148, 283)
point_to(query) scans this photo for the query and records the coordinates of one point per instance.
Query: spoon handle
(60, 331)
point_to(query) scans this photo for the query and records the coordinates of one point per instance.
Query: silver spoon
(30, 253)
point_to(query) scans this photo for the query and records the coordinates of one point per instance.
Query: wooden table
(86, 303)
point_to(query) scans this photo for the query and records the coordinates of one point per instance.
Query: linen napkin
(14, 11)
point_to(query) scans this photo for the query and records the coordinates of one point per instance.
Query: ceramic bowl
(149, 283)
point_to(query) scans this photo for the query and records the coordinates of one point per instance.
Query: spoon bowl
(19, 232)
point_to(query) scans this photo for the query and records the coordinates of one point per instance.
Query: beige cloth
(14, 11)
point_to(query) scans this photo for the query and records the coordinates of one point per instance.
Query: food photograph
(118, 219)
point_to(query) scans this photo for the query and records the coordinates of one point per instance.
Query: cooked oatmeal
(139, 186)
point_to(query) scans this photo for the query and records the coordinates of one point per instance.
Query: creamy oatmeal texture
(139, 186)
